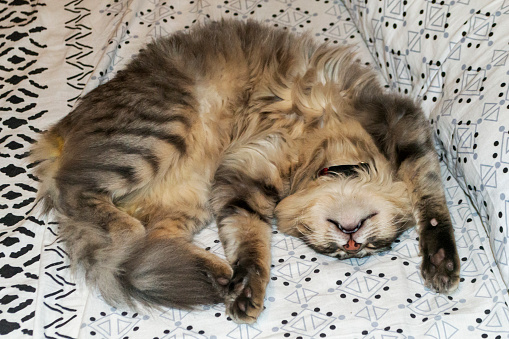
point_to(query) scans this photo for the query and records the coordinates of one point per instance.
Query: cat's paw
(440, 266)
(247, 292)
(219, 272)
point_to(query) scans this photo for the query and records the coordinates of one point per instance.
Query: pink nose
(352, 246)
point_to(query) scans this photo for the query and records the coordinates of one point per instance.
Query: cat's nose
(350, 228)
(347, 228)
(349, 225)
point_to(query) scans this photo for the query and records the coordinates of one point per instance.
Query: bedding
(452, 55)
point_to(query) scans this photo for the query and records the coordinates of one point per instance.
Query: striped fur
(231, 121)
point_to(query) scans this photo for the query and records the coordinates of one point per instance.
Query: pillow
(453, 55)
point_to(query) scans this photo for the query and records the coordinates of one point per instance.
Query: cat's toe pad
(440, 271)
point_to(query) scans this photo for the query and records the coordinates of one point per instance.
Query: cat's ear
(307, 169)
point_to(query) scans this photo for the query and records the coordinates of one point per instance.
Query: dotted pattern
(309, 295)
(453, 55)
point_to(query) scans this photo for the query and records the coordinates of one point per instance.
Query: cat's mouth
(363, 251)
(351, 249)
(334, 250)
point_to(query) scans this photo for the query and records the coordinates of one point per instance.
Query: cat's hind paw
(247, 292)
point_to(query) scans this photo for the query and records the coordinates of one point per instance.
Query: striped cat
(242, 124)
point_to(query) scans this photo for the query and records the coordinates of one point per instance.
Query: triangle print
(489, 176)
(472, 83)
(441, 302)
(293, 297)
(123, 325)
(499, 57)
(114, 325)
(424, 306)
(105, 326)
(286, 271)
(300, 324)
(334, 11)
(470, 267)
(364, 313)
(505, 7)
(447, 107)
(379, 312)
(449, 330)
(302, 268)
(441, 330)
(455, 53)
(436, 17)
(504, 156)
(334, 31)
(282, 244)
(354, 286)
(416, 278)
(394, 7)
(490, 111)
(433, 332)
(465, 137)
(502, 255)
(317, 321)
(308, 323)
(481, 27)
(497, 321)
(438, 22)
(414, 42)
(242, 6)
(240, 332)
(371, 284)
(308, 294)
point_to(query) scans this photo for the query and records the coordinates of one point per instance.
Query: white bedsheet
(51, 52)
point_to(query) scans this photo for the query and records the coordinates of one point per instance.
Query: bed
(452, 55)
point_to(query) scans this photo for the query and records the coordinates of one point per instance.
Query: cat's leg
(246, 239)
(182, 226)
(403, 134)
(440, 261)
(245, 193)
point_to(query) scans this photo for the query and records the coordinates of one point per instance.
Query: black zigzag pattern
(61, 317)
(78, 49)
(21, 85)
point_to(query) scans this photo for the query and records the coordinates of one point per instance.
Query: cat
(243, 124)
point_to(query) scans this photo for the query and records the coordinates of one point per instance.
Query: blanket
(451, 54)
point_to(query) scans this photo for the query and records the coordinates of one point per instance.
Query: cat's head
(352, 213)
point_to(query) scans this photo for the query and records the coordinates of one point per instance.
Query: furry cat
(244, 124)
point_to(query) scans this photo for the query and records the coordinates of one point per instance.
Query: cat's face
(347, 217)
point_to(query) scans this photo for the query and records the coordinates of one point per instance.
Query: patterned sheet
(454, 56)
(51, 52)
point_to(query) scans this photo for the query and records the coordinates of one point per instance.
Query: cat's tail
(140, 271)
(111, 247)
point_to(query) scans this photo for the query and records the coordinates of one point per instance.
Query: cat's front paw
(440, 266)
(247, 292)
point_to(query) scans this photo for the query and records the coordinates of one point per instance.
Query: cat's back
(232, 41)
(180, 97)
(209, 66)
